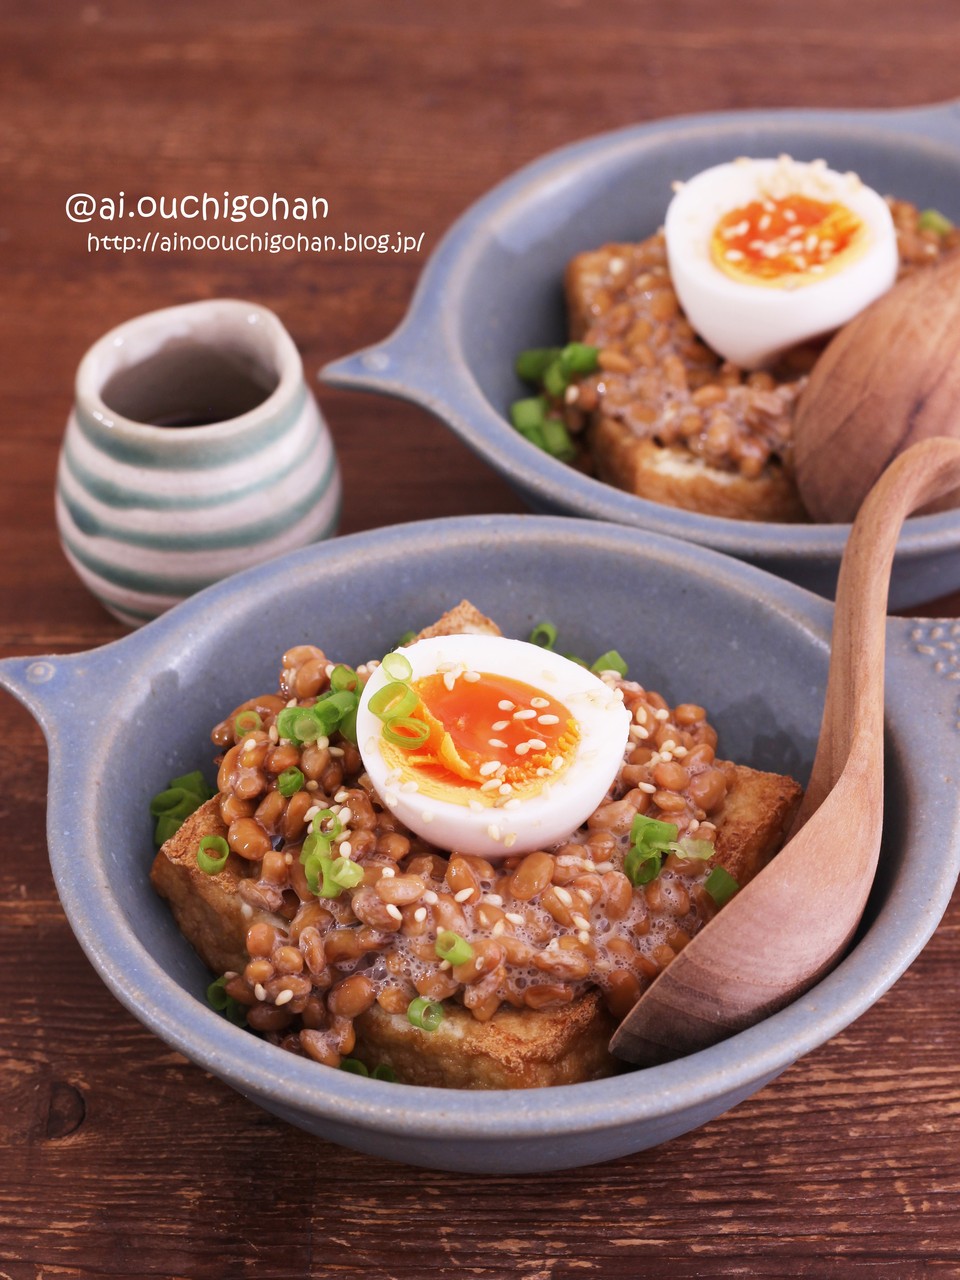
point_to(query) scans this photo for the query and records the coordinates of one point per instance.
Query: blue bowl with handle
(494, 287)
(120, 721)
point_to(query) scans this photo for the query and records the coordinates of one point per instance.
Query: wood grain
(121, 1159)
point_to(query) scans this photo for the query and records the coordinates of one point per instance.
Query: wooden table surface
(119, 1158)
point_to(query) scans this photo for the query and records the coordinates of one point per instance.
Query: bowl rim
(405, 364)
(298, 1086)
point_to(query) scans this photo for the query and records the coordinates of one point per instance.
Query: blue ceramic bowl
(693, 624)
(494, 287)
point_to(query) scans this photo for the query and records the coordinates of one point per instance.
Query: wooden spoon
(787, 927)
(888, 379)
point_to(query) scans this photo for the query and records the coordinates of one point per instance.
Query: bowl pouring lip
(432, 325)
(297, 1086)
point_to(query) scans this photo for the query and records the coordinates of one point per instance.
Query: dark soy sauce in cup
(189, 384)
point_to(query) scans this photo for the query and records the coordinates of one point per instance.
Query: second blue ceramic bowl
(494, 287)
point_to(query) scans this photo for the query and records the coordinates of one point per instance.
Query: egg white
(538, 821)
(752, 324)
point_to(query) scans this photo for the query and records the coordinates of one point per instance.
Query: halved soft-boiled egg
(766, 254)
(489, 746)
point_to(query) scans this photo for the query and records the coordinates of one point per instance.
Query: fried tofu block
(669, 474)
(753, 819)
(462, 620)
(207, 909)
(677, 478)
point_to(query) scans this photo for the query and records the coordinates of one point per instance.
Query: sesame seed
(526, 714)
(493, 831)
(313, 785)
(513, 804)
(497, 742)
(260, 991)
(662, 714)
(506, 705)
(471, 677)
(556, 763)
(764, 223)
(543, 773)
(734, 255)
(391, 799)
(288, 859)
(346, 848)
(505, 789)
(581, 923)
(341, 796)
(488, 767)
(499, 725)
(539, 702)
(272, 733)
(514, 917)
(420, 915)
(666, 756)
(648, 787)
(394, 912)
(680, 752)
(322, 742)
(565, 896)
(444, 667)
(311, 813)
(462, 895)
(604, 867)
(510, 839)
(444, 965)
(583, 937)
(388, 873)
(336, 752)
(409, 787)
(476, 806)
(246, 910)
(640, 715)
(492, 784)
(345, 814)
(498, 928)
(429, 897)
(284, 996)
(548, 719)
(427, 815)
(493, 899)
(293, 701)
(522, 748)
(669, 745)
(449, 680)
(537, 744)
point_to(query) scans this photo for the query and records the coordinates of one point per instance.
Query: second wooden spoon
(787, 927)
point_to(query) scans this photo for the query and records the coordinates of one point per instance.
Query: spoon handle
(853, 711)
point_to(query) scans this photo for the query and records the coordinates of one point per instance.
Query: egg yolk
(491, 737)
(785, 241)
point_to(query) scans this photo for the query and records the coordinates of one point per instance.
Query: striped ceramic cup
(194, 449)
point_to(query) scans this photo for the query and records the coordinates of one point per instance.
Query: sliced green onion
(221, 1002)
(556, 440)
(408, 732)
(689, 847)
(205, 861)
(193, 782)
(651, 832)
(640, 866)
(532, 364)
(348, 725)
(450, 946)
(544, 634)
(246, 722)
(172, 801)
(290, 781)
(610, 661)
(327, 816)
(555, 379)
(425, 1014)
(306, 727)
(354, 1066)
(934, 220)
(572, 657)
(720, 885)
(407, 638)
(394, 699)
(528, 414)
(397, 666)
(383, 1071)
(343, 677)
(166, 828)
(579, 358)
(346, 873)
(315, 844)
(286, 720)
